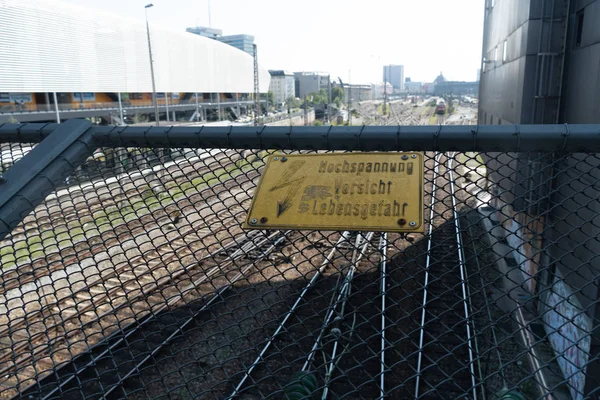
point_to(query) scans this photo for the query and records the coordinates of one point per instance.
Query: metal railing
(130, 105)
(131, 275)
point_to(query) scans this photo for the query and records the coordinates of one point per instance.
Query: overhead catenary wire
(288, 314)
(463, 274)
(274, 239)
(383, 291)
(346, 281)
(436, 167)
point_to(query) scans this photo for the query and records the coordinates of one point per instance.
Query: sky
(350, 39)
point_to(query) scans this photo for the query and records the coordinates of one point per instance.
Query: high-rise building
(394, 74)
(242, 42)
(206, 32)
(282, 86)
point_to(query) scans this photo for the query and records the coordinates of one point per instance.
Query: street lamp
(154, 102)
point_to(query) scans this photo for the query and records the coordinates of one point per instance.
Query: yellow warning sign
(342, 191)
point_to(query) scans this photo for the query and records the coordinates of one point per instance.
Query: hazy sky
(335, 36)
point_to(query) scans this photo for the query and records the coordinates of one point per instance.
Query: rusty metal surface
(354, 191)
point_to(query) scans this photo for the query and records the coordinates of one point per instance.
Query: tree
(270, 96)
(292, 103)
(337, 92)
(318, 98)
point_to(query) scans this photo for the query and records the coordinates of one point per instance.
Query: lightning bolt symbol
(294, 185)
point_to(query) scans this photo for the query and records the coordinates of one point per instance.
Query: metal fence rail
(130, 276)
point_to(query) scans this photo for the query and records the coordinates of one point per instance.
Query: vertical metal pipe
(562, 63)
(219, 106)
(120, 109)
(56, 107)
(167, 105)
(197, 109)
(47, 101)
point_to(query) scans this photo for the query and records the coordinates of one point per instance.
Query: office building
(282, 86)
(394, 74)
(242, 42)
(206, 32)
(311, 82)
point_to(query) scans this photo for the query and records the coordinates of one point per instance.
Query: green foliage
(293, 103)
(317, 98)
(337, 93)
(318, 123)
(270, 96)
(338, 102)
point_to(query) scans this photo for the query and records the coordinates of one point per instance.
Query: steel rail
(242, 273)
(344, 294)
(150, 316)
(383, 291)
(287, 316)
(340, 299)
(436, 168)
(462, 266)
(349, 274)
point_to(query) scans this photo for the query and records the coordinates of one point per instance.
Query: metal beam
(485, 138)
(27, 183)
(488, 138)
(26, 133)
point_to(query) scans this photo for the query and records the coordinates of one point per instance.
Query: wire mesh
(135, 279)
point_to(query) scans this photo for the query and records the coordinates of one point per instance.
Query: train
(440, 106)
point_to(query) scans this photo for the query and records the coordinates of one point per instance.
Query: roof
(51, 46)
(311, 73)
(280, 73)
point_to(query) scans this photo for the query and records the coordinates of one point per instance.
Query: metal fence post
(56, 107)
(121, 109)
(36, 175)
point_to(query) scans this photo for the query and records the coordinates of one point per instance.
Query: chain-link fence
(134, 278)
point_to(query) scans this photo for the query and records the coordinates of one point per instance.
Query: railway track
(360, 325)
(53, 259)
(405, 340)
(42, 339)
(156, 328)
(149, 233)
(397, 327)
(41, 335)
(445, 365)
(317, 333)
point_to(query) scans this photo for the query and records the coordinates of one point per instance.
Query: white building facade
(61, 47)
(282, 86)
